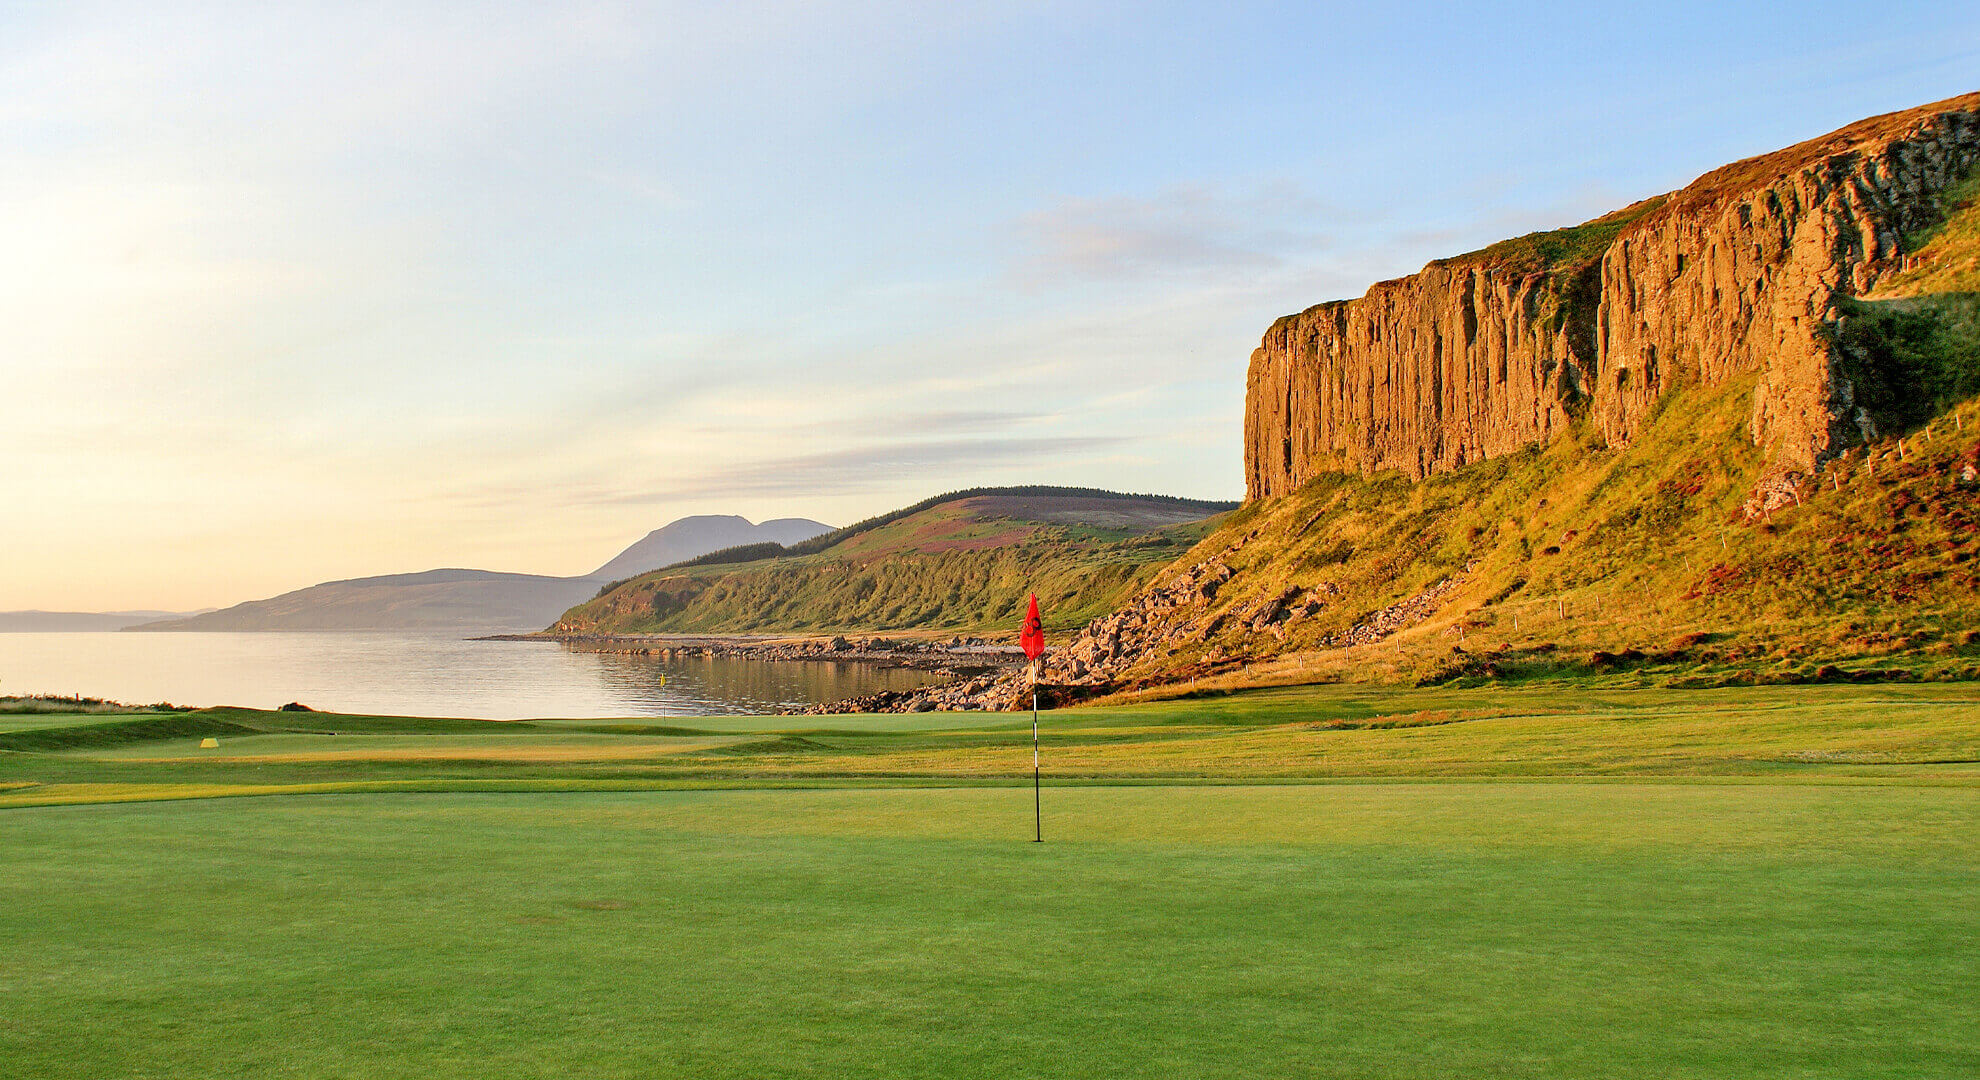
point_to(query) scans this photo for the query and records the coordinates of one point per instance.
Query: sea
(412, 674)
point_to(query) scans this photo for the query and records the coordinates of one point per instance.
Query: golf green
(1505, 929)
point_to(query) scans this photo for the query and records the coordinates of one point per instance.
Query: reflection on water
(721, 684)
(420, 675)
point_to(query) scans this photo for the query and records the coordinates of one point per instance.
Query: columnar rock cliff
(1741, 272)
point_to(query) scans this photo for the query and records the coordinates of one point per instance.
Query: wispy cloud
(867, 468)
(1186, 229)
(863, 469)
(938, 422)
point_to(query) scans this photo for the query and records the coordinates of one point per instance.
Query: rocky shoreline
(1107, 655)
(958, 657)
(985, 675)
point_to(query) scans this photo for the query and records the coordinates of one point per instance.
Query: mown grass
(1598, 727)
(1461, 930)
(1561, 880)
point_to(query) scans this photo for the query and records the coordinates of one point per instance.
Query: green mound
(108, 733)
(87, 731)
(776, 744)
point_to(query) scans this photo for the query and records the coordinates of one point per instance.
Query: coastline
(957, 656)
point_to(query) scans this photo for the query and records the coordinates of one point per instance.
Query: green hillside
(960, 562)
(1574, 559)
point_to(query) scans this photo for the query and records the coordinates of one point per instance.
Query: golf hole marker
(1032, 638)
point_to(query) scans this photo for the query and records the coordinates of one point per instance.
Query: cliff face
(1741, 272)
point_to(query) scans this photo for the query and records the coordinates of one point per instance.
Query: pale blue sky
(300, 292)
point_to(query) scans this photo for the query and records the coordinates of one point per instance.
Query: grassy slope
(1573, 548)
(948, 567)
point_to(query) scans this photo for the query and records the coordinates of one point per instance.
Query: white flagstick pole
(1037, 801)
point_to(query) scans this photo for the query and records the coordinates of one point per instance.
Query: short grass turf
(1534, 929)
(1898, 733)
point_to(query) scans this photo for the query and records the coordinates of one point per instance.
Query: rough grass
(1910, 358)
(33, 704)
(1569, 249)
(1945, 256)
(1911, 348)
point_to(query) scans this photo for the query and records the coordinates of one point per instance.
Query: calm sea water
(418, 675)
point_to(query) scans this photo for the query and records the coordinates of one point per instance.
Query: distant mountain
(475, 601)
(453, 600)
(64, 622)
(691, 537)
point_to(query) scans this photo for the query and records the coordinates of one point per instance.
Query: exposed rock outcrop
(1739, 273)
(1174, 613)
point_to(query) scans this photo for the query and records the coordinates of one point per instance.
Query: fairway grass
(1327, 881)
(1383, 929)
(1926, 733)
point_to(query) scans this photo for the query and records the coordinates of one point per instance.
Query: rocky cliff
(1744, 271)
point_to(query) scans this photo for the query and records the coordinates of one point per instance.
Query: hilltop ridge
(963, 560)
(700, 534)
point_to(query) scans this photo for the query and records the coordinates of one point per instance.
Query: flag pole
(1037, 801)
(1032, 638)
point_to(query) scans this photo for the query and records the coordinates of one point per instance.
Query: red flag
(1032, 637)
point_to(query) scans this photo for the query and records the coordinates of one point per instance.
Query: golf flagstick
(1037, 801)
(1032, 638)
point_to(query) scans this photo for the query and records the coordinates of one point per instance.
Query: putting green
(1533, 929)
(493, 747)
(864, 723)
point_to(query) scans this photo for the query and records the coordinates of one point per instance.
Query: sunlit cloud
(874, 468)
(867, 468)
(1183, 230)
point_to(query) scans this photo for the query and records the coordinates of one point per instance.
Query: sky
(293, 293)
